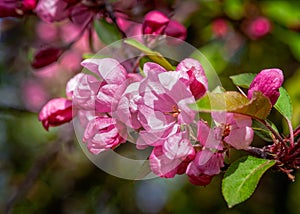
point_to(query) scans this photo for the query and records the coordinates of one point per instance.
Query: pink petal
(197, 79)
(240, 138)
(52, 10)
(72, 85)
(110, 70)
(102, 134)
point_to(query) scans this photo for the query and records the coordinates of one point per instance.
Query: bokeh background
(47, 172)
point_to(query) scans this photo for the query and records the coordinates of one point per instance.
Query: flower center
(226, 130)
(175, 111)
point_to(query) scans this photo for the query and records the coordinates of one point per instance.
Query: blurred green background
(47, 172)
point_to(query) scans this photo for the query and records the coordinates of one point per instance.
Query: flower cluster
(111, 103)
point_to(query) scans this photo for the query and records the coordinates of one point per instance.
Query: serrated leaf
(242, 177)
(284, 104)
(153, 55)
(231, 101)
(243, 80)
(107, 33)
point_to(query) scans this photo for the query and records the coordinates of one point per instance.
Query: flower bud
(258, 28)
(219, 27)
(155, 23)
(45, 57)
(175, 29)
(268, 81)
(56, 112)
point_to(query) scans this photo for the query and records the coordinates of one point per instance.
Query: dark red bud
(45, 57)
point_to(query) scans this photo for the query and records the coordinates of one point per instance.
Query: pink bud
(268, 81)
(219, 27)
(56, 112)
(175, 29)
(29, 4)
(155, 23)
(45, 57)
(259, 28)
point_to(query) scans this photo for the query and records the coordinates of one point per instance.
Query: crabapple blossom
(205, 165)
(102, 133)
(125, 107)
(268, 81)
(56, 112)
(84, 94)
(209, 160)
(172, 157)
(164, 102)
(113, 75)
(234, 129)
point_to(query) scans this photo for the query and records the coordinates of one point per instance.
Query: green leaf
(284, 12)
(242, 177)
(261, 131)
(107, 32)
(153, 55)
(243, 80)
(284, 104)
(231, 101)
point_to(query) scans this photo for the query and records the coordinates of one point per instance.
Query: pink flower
(268, 81)
(205, 165)
(197, 80)
(164, 102)
(113, 75)
(209, 160)
(56, 112)
(234, 129)
(173, 156)
(101, 134)
(125, 107)
(83, 89)
(259, 27)
(208, 138)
